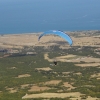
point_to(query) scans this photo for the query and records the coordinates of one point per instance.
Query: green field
(19, 64)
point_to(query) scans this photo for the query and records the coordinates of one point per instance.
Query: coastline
(28, 33)
(80, 38)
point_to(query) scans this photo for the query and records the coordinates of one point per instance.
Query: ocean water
(25, 16)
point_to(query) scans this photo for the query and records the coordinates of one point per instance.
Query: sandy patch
(13, 68)
(88, 86)
(52, 82)
(91, 98)
(76, 98)
(95, 75)
(11, 90)
(98, 78)
(37, 88)
(53, 95)
(86, 59)
(18, 40)
(24, 75)
(60, 58)
(79, 73)
(44, 69)
(47, 58)
(66, 56)
(74, 58)
(86, 41)
(25, 86)
(88, 98)
(66, 84)
(88, 65)
(65, 73)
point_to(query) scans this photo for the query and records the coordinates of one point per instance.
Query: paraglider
(59, 33)
(63, 35)
(55, 62)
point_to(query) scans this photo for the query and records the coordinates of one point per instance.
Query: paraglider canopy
(59, 33)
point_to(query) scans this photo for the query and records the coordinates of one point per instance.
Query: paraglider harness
(55, 63)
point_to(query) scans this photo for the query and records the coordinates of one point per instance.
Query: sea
(29, 16)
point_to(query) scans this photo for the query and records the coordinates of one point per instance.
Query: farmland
(27, 70)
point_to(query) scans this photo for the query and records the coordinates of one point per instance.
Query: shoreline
(43, 31)
(80, 38)
(20, 33)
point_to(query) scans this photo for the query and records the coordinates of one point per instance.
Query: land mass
(80, 38)
(27, 69)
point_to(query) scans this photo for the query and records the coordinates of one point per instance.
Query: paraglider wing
(59, 33)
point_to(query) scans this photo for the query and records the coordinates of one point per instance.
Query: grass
(26, 65)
